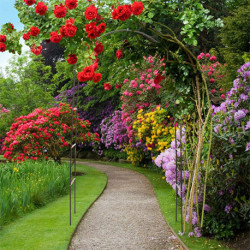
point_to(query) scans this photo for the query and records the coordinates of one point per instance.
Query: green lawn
(166, 198)
(48, 227)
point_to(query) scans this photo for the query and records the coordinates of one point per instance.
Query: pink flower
(209, 73)
(213, 91)
(141, 86)
(211, 80)
(207, 55)
(149, 70)
(199, 57)
(213, 58)
(222, 96)
(138, 92)
(148, 76)
(142, 78)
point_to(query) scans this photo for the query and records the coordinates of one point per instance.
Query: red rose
(211, 80)
(60, 11)
(2, 38)
(91, 27)
(107, 86)
(118, 86)
(158, 79)
(137, 8)
(124, 12)
(222, 96)
(34, 31)
(97, 77)
(29, 2)
(71, 4)
(63, 31)
(115, 15)
(119, 54)
(213, 91)
(101, 27)
(92, 34)
(55, 37)
(88, 72)
(2, 47)
(98, 48)
(36, 50)
(41, 8)
(81, 77)
(72, 59)
(70, 30)
(26, 36)
(91, 12)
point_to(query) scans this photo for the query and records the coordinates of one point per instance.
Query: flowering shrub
(228, 192)
(3, 113)
(44, 133)
(113, 131)
(154, 129)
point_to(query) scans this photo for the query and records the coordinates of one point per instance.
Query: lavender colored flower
(191, 234)
(228, 208)
(239, 115)
(197, 232)
(207, 208)
(248, 146)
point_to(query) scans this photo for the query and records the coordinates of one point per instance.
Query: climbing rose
(91, 27)
(29, 2)
(26, 36)
(80, 77)
(107, 86)
(2, 38)
(36, 50)
(119, 54)
(88, 72)
(72, 59)
(70, 30)
(97, 77)
(55, 37)
(41, 8)
(98, 48)
(34, 31)
(71, 4)
(2, 47)
(60, 11)
(101, 27)
(123, 12)
(91, 12)
(137, 8)
(158, 79)
(63, 31)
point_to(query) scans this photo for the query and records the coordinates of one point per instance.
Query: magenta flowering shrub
(114, 131)
(228, 184)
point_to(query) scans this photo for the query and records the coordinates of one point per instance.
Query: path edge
(74, 232)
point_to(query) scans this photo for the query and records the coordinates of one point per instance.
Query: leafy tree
(235, 37)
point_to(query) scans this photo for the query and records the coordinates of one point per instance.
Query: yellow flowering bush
(135, 154)
(154, 129)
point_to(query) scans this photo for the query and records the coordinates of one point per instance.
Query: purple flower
(216, 128)
(247, 126)
(197, 232)
(239, 115)
(191, 234)
(228, 208)
(207, 208)
(248, 146)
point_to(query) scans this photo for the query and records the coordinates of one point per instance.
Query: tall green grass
(30, 185)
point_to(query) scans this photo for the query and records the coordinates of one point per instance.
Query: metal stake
(176, 168)
(181, 175)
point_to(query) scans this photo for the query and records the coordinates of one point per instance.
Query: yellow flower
(16, 169)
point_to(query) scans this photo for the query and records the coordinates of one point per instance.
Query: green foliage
(235, 37)
(28, 186)
(24, 88)
(113, 154)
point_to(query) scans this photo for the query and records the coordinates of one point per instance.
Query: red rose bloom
(97, 77)
(71, 4)
(115, 15)
(119, 54)
(72, 59)
(91, 13)
(98, 48)
(137, 8)
(55, 37)
(81, 77)
(70, 30)
(93, 34)
(41, 8)
(60, 11)
(91, 27)
(124, 12)
(29, 2)
(2, 38)
(36, 50)
(2, 47)
(88, 73)
(158, 79)
(34, 31)
(107, 86)
(63, 31)
(101, 27)
(26, 36)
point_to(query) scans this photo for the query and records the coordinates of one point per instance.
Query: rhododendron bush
(45, 133)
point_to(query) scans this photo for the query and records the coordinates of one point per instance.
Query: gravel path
(126, 216)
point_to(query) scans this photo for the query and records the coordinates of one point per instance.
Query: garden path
(126, 216)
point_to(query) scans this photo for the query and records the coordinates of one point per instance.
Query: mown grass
(48, 227)
(166, 198)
